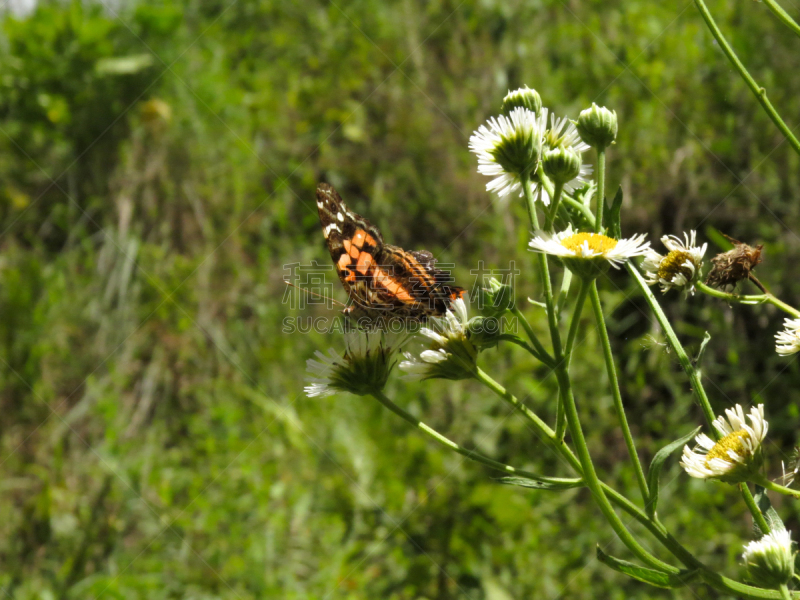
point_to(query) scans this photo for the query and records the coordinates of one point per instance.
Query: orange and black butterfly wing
(352, 240)
(385, 280)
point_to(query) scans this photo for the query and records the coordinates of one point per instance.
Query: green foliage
(155, 439)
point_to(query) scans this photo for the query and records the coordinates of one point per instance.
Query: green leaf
(765, 506)
(656, 578)
(611, 215)
(543, 483)
(655, 469)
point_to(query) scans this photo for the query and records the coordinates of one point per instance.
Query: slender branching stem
(783, 16)
(544, 355)
(658, 531)
(776, 487)
(555, 202)
(601, 188)
(561, 422)
(760, 92)
(751, 299)
(694, 378)
(450, 444)
(613, 381)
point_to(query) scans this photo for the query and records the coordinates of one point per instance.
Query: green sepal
(645, 575)
(770, 515)
(611, 215)
(655, 469)
(543, 483)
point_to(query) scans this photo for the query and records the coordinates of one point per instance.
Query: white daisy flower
(509, 147)
(736, 455)
(451, 355)
(588, 254)
(788, 341)
(562, 133)
(770, 560)
(364, 367)
(680, 268)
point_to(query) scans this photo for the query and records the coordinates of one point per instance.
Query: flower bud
(597, 126)
(561, 164)
(523, 97)
(484, 332)
(497, 299)
(770, 560)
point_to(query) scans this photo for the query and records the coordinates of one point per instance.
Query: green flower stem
(614, 383)
(593, 482)
(784, 17)
(658, 531)
(760, 92)
(448, 443)
(545, 355)
(758, 518)
(507, 337)
(775, 487)
(555, 201)
(543, 428)
(530, 202)
(601, 188)
(694, 378)
(785, 592)
(754, 299)
(561, 422)
(580, 206)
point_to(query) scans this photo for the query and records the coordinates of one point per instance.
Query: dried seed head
(734, 265)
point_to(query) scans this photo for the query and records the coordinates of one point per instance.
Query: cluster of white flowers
(510, 146)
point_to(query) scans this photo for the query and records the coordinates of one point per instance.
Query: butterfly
(383, 281)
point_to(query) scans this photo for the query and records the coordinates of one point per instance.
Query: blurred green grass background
(157, 167)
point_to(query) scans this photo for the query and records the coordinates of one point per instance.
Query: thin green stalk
(694, 378)
(561, 422)
(593, 482)
(448, 443)
(784, 17)
(760, 92)
(585, 210)
(533, 337)
(544, 274)
(614, 383)
(785, 592)
(601, 188)
(507, 337)
(555, 201)
(658, 531)
(752, 299)
(776, 487)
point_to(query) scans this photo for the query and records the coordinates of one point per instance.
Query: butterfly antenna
(310, 293)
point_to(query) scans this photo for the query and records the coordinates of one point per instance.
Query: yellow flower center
(598, 243)
(732, 441)
(674, 263)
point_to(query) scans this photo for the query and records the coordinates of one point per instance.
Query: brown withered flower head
(733, 266)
